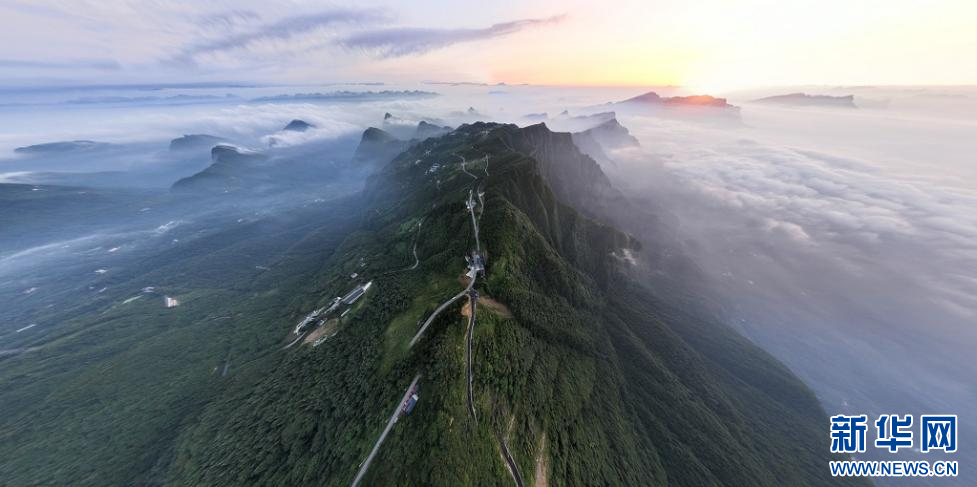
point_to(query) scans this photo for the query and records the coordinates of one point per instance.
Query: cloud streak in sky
(99, 64)
(281, 30)
(405, 41)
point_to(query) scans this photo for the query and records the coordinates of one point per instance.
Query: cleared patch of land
(328, 329)
(494, 306)
(541, 464)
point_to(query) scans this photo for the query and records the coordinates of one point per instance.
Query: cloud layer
(243, 40)
(401, 41)
(859, 272)
(99, 64)
(285, 29)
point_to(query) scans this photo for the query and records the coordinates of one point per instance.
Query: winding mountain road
(510, 463)
(471, 283)
(438, 311)
(471, 209)
(414, 247)
(386, 431)
(301, 336)
(417, 260)
(473, 297)
(472, 294)
(463, 168)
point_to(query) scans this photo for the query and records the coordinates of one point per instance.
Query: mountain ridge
(659, 393)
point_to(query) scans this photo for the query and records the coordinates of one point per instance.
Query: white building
(357, 293)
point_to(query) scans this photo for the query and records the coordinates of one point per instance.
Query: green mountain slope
(107, 380)
(578, 375)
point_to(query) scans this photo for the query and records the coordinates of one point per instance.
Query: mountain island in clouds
(803, 99)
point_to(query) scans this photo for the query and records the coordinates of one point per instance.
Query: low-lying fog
(842, 240)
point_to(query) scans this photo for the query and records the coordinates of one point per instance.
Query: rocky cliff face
(377, 148)
(427, 130)
(597, 141)
(193, 142)
(574, 177)
(232, 169)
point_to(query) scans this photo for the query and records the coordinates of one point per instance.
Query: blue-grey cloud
(284, 29)
(231, 18)
(404, 41)
(100, 64)
(42, 11)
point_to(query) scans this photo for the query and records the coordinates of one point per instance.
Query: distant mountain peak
(374, 134)
(299, 126)
(195, 141)
(609, 125)
(412, 127)
(427, 130)
(60, 147)
(608, 135)
(804, 99)
(693, 100)
(377, 147)
(221, 151)
(650, 97)
(653, 98)
(698, 100)
(699, 108)
(231, 167)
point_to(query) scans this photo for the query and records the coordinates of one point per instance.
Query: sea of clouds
(842, 241)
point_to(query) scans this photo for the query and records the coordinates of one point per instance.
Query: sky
(709, 44)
